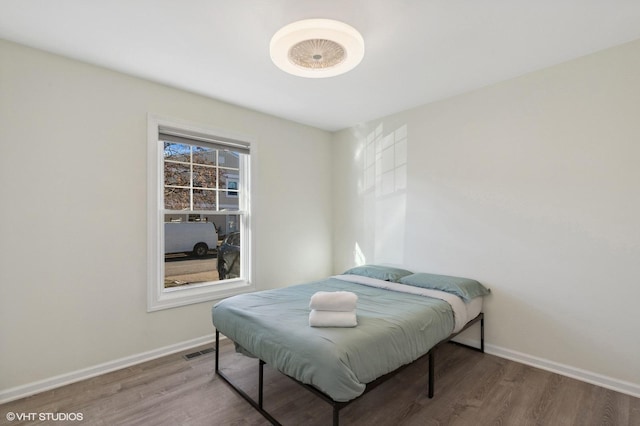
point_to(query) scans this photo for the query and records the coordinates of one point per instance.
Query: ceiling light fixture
(317, 48)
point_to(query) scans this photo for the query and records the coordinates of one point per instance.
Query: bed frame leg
(336, 416)
(482, 333)
(260, 382)
(431, 372)
(217, 349)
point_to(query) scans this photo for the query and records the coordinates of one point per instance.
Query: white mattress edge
(462, 312)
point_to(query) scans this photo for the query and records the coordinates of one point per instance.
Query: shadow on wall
(382, 189)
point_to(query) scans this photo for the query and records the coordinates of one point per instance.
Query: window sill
(206, 292)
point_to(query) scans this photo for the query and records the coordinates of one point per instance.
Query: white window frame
(159, 297)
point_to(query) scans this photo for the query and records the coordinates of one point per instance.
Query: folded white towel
(332, 318)
(334, 301)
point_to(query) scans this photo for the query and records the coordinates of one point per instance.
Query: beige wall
(73, 221)
(531, 186)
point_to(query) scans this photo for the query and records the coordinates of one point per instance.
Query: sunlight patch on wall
(359, 258)
(384, 184)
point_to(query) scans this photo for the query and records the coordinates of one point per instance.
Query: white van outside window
(195, 238)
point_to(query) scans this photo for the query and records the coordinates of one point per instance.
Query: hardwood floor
(471, 389)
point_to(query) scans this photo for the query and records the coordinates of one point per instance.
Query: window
(199, 215)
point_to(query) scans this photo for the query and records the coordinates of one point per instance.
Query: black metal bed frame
(337, 406)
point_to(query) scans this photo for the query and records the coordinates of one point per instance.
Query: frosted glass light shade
(317, 48)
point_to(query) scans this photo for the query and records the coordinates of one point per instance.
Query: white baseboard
(18, 392)
(86, 373)
(617, 385)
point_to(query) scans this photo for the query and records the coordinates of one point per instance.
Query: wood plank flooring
(471, 389)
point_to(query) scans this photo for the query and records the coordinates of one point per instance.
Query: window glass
(201, 246)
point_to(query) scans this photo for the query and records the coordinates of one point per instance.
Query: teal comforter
(393, 329)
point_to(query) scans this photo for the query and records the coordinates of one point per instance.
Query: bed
(401, 317)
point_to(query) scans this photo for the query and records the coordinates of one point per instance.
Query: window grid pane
(204, 199)
(177, 174)
(177, 152)
(177, 198)
(206, 156)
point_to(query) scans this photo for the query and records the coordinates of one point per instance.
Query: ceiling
(417, 51)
